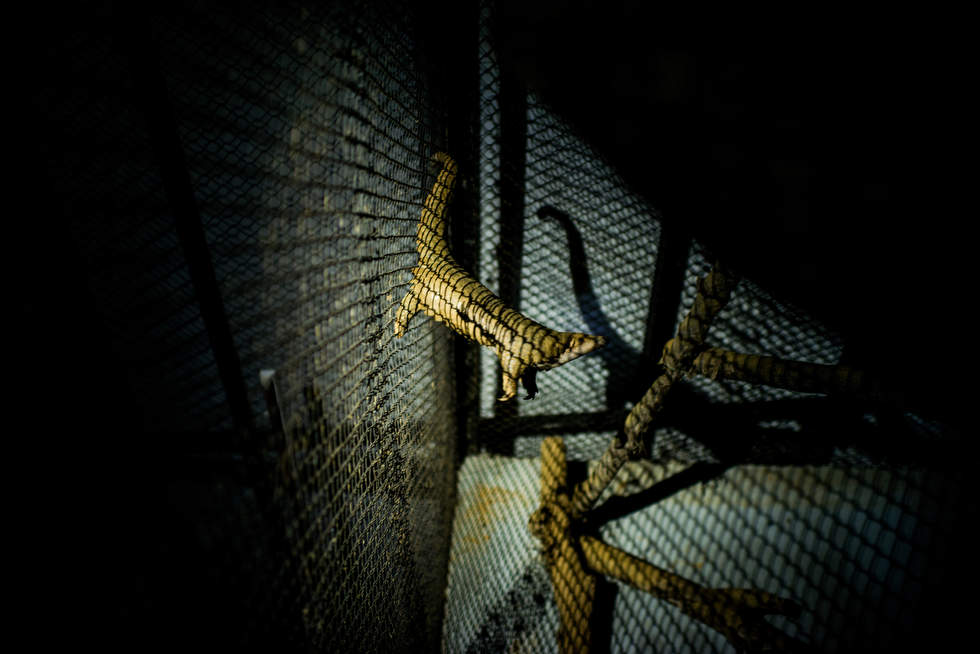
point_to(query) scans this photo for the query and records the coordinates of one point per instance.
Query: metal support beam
(135, 34)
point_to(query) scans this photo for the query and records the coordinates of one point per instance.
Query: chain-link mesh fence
(245, 190)
(314, 511)
(812, 506)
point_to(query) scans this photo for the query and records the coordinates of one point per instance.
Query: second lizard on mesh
(444, 290)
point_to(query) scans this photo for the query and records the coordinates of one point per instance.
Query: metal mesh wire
(746, 486)
(340, 518)
(306, 170)
(305, 135)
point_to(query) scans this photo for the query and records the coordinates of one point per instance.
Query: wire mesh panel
(309, 181)
(245, 193)
(758, 516)
(314, 514)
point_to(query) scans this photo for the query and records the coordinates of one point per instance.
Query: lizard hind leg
(510, 387)
(409, 307)
(530, 383)
(513, 369)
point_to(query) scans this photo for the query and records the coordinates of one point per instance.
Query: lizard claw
(408, 307)
(530, 383)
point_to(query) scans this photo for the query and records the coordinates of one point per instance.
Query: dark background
(823, 155)
(821, 152)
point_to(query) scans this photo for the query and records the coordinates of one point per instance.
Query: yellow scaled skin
(444, 290)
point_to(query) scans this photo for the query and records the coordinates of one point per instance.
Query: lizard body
(444, 290)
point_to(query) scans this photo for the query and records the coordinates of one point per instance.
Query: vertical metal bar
(464, 136)
(450, 61)
(665, 300)
(513, 150)
(513, 147)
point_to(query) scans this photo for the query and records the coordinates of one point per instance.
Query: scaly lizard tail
(444, 290)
